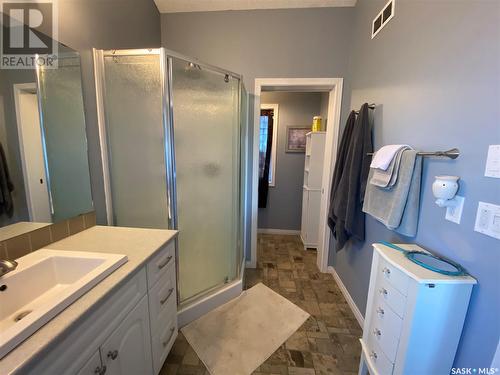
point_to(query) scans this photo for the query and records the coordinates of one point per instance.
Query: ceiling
(174, 6)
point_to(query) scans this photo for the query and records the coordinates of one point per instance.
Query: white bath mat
(238, 337)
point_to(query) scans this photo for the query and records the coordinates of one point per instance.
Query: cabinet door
(93, 366)
(128, 349)
(313, 206)
(303, 224)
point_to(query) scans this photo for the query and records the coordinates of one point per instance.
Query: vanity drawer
(385, 319)
(161, 263)
(385, 329)
(163, 301)
(390, 295)
(162, 341)
(378, 359)
(398, 279)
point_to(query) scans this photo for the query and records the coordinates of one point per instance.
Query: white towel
(384, 156)
(389, 177)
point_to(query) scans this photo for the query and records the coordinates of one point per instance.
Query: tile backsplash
(25, 243)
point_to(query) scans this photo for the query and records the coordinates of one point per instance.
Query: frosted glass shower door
(135, 137)
(207, 156)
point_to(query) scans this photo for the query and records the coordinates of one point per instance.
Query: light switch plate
(488, 219)
(454, 213)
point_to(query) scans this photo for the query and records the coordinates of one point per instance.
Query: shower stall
(172, 133)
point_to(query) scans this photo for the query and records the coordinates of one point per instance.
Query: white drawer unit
(162, 295)
(311, 195)
(414, 316)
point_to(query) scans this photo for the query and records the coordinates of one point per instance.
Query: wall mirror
(44, 171)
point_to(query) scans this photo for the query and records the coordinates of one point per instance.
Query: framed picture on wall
(296, 138)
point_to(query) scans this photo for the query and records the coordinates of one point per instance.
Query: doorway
(332, 87)
(32, 152)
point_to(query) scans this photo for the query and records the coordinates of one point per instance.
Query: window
(264, 123)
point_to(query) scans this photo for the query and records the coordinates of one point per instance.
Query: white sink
(45, 283)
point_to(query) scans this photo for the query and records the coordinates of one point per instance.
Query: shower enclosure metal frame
(202, 302)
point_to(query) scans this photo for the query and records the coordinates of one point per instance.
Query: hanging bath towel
(337, 226)
(398, 208)
(348, 197)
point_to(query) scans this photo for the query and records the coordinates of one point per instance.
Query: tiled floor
(326, 344)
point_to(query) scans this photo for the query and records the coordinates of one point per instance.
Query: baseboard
(278, 231)
(347, 296)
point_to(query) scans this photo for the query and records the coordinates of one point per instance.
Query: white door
(128, 350)
(30, 143)
(93, 366)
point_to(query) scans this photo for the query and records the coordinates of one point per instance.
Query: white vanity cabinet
(130, 332)
(128, 350)
(414, 316)
(93, 365)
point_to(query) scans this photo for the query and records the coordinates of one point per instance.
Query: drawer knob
(113, 354)
(100, 370)
(373, 355)
(165, 343)
(170, 291)
(169, 258)
(377, 332)
(380, 311)
(383, 291)
(387, 271)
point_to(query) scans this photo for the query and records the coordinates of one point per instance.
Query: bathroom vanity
(414, 316)
(126, 324)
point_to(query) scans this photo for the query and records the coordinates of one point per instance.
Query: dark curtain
(6, 186)
(264, 176)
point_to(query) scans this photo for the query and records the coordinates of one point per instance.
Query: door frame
(18, 89)
(334, 87)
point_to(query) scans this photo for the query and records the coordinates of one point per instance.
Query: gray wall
(106, 24)
(434, 73)
(265, 43)
(284, 205)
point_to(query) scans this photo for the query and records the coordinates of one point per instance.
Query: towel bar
(452, 153)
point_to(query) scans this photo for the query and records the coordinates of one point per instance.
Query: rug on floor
(239, 336)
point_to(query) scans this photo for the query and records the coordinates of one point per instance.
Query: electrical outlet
(454, 213)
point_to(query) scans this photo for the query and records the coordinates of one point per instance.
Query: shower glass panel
(207, 162)
(63, 122)
(135, 139)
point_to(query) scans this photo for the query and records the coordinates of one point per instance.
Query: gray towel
(388, 178)
(398, 208)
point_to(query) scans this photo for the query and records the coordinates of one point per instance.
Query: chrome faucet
(7, 266)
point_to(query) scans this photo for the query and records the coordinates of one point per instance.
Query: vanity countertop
(20, 227)
(137, 243)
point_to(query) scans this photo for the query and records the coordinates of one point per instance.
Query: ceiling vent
(383, 18)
